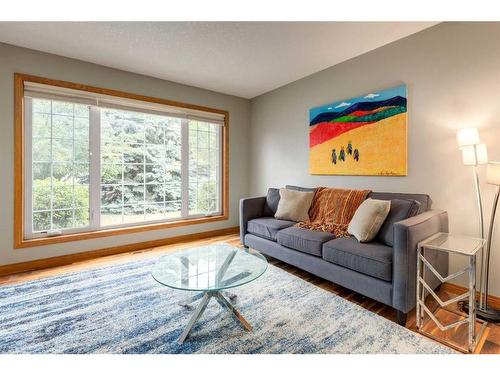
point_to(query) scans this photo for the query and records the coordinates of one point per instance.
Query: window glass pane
(42, 106)
(81, 217)
(111, 152)
(62, 192)
(62, 108)
(41, 148)
(41, 171)
(81, 151)
(41, 221)
(155, 193)
(133, 174)
(111, 173)
(141, 157)
(41, 124)
(204, 151)
(62, 149)
(62, 126)
(133, 213)
(81, 112)
(155, 212)
(133, 153)
(111, 215)
(81, 128)
(133, 194)
(62, 219)
(60, 165)
(111, 195)
(42, 195)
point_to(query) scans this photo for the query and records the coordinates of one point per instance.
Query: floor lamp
(493, 178)
(474, 153)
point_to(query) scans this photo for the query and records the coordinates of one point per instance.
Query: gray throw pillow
(294, 205)
(298, 188)
(272, 200)
(401, 209)
(368, 219)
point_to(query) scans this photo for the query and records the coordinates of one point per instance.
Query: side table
(453, 244)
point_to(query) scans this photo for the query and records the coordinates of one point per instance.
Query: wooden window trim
(19, 183)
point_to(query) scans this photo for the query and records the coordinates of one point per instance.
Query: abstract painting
(360, 136)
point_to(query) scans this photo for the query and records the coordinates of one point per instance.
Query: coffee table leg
(229, 295)
(196, 315)
(236, 314)
(186, 303)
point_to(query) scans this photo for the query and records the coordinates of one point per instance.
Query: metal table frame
(219, 295)
(423, 287)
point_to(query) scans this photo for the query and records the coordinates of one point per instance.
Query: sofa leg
(245, 246)
(401, 318)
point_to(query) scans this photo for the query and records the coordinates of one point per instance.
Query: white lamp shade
(469, 155)
(493, 173)
(481, 154)
(468, 137)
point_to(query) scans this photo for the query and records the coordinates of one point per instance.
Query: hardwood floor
(489, 343)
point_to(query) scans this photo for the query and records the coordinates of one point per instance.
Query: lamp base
(489, 314)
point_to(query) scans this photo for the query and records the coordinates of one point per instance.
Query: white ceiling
(238, 58)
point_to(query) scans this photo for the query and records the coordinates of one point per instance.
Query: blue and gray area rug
(122, 309)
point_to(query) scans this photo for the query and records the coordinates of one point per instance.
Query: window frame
(22, 162)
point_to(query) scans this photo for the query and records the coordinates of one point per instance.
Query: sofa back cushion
(299, 188)
(424, 200)
(272, 200)
(294, 205)
(401, 209)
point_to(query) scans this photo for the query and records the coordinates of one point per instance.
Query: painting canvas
(360, 136)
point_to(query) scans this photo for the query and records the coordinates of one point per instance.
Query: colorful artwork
(360, 136)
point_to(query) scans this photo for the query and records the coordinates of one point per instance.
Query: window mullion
(28, 169)
(184, 168)
(218, 164)
(95, 167)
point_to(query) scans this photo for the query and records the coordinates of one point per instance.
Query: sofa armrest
(407, 234)
(250, 208)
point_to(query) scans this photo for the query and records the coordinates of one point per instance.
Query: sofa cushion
(305, 240)
(267, 227)
(401, 209)
(424, 200)
(372, 258)
(272, 200)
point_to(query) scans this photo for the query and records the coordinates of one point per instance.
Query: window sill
(26, 243)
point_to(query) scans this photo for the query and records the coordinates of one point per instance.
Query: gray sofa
(384, 269)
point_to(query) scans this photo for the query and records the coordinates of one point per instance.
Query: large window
(94, 163)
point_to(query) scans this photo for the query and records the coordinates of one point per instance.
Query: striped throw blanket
(332, 210)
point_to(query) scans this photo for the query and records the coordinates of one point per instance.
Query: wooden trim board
(19, 183)
(493, 301)
(63, 260)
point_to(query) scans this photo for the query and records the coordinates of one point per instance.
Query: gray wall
(453, 75)
(14, 59)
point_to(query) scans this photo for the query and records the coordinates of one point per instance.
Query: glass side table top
(454, 243)
(209, 268)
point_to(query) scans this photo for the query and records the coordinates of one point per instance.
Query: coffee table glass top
(209, 268)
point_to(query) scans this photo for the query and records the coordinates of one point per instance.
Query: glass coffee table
(210, 270)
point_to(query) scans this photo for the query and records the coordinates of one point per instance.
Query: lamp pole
(488, 249)
(481, 226)
(485, 312)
